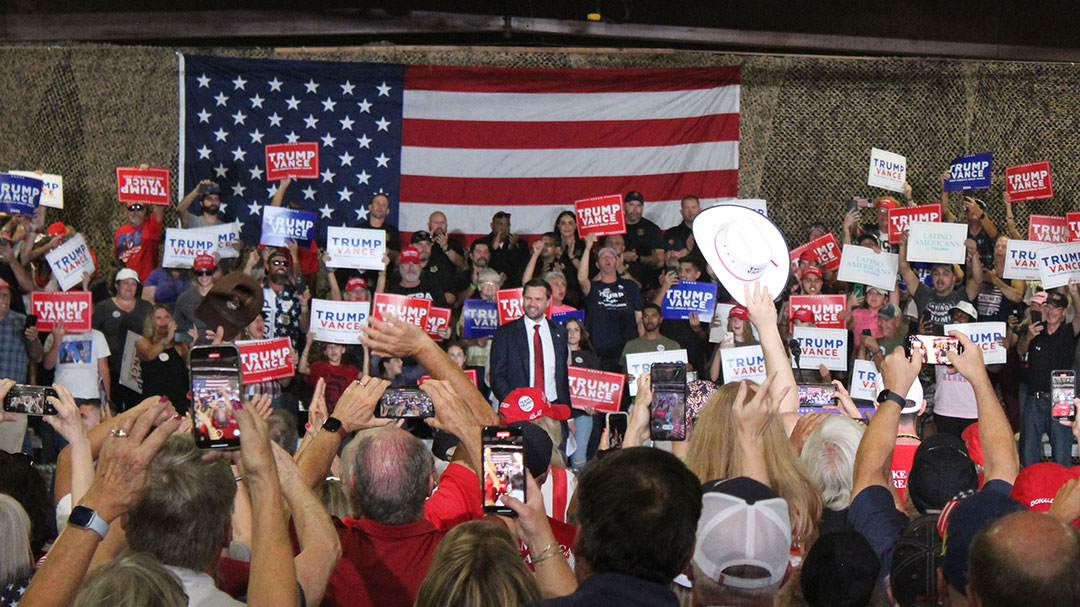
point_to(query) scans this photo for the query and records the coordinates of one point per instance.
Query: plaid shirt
(14, 359)
(282, 311)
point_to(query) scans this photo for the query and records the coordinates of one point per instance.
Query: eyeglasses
(204, 272)
(136, 207)
(279, 262)
(489, 282)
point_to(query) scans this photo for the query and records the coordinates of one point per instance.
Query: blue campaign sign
(971, 172)
(481, 318)
(686, 297)
(562, 317)
(19, 194)
(280, 225)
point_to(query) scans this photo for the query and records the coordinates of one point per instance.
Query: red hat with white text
(530, 404)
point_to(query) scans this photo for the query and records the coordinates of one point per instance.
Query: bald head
(390, 477)
(436, 223)
(1026, 558)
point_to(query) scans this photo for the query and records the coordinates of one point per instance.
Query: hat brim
(707, 226)
(559, 412)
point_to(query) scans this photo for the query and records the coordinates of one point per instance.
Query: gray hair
(489, 274)
(828, 458)
(133, 580)
(18, 560)
(183, 518)
(389, 474)
(554, 274)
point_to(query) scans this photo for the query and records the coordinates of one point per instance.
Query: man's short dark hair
(476, 243)
(698, 264)
(651, 306)
(539, 283)
(637, 514)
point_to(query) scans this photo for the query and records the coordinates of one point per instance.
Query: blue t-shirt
(169, 287)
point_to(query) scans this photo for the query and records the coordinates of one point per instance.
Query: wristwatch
(332, 424)
(893, 396)
(84, 517)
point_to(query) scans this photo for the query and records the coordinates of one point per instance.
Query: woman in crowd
(581, 422)
(570, 248)
(742, 334)
(163, 359)
(165, 285)
(17, 565)
(114, 317)
(133, 580)
(863, 310)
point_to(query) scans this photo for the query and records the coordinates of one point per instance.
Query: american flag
(467, 141)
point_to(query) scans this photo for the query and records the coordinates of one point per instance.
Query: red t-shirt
(337, 378)
(564, 533)
(902, 457)
(137, 247)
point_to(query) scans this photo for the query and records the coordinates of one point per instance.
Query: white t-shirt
(77, 363)
(954, 396)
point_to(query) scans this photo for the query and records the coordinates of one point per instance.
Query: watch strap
(332, 424)
(893, 396)
(84, 517)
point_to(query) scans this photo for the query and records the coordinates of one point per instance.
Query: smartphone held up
(215, 396)
(30, 400)
(503, 449)
(667, 416)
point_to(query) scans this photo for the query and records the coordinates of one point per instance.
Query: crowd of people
(956, 488)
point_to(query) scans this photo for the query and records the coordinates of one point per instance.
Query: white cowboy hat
(743, 247)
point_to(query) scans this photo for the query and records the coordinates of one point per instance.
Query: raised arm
(873, 460)
(1000, 457)
(752, 416)
(279, 193)
(975, 277)
(911, 281)
(530, 268)
(1010, 219)
(583, 267)
(783, 389)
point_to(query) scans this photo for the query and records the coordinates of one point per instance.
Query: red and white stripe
(532, 141)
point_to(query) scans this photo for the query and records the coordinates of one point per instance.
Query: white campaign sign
(986, 336)
(887, 170)
(70, 260)
(182, 246)
(338, 322)
(936, 242)
(130, 365)
(1059, 263)
(52, 187)
(864, 380)
(756, 204)
(822, 347)
(746, 362)
(861, 265)
(356, 248)
(1022, 260)
(636, 364)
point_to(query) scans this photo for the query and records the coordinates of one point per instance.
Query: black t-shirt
(428, 289)
(507, 259)
(393, 235)
(682, 332)
(441, 269)
(677, 236)
(1047, 352)
(583, 358)
(8, 275)
(994, 306)
(984, 246)
(938, 306)
(643, 238)
(610, 315)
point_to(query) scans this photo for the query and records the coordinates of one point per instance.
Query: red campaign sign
(597, 389)
(470, 373)
(148, 187)
(899, 219)
(1073, 219)
(1029, 181)
(265, 359)
(412, 310)
(509, 304)
(825, 308)
(298, 160)
(602, 215)
(827, 249)
(437, 318)
(1048, 228)
(73, 308)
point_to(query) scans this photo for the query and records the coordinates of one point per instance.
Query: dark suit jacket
(510, 363)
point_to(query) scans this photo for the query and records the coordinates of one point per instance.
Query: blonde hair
(554, 430)
(477, 564)
(148, 331)
(714, 454)
(133, 580)
(18, 560)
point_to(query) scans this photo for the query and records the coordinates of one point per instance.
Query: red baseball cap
(410, 255)
(56, 229)
(1038, 484)
(816, 271)
(808, 255)
(356, 282)
(739, 312)
(803, 314)
(887, 203)
(203, 262)
(529, 404)
(4, 284)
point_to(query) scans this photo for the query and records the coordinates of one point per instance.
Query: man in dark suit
(531, 351)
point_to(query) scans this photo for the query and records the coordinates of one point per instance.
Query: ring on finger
(118, 432)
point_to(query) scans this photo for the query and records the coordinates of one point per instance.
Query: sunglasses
(279, 262)
(136, 207)
(204, 272)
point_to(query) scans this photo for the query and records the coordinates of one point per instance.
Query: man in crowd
(935, 302)
(285, 300)
(434, 264)
(644, 241)
(680, 237)
(509, 252)
(377, 219)
(531, 351)
(414, 282)
(467, 281)
(693, 332)
(612, 306)
(651, 340)
(444, 246)
(208, 212)
(136, 243)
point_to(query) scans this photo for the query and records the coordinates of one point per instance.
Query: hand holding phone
(936, 349)
(405, 402)
(215, 396)
(503, 449)
(1063, 395)
(667, 419)
(30, 400)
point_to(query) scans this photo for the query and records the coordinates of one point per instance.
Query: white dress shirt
(551, 390)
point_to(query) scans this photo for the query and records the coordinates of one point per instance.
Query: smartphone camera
(405, 402)
(616, 428)
(817, 395)
(1063, 395)
(936, 349)
(667, 420)
(30, 400)
(504, 467)
(215, 396)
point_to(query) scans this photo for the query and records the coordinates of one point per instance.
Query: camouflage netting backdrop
(807, 123)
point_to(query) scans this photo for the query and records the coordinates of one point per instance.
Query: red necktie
(538, 360)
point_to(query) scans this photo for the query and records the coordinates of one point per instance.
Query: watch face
(80, 516)
(332, 424)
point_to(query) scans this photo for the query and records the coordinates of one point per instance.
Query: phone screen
(668, 418)
(935, 349)
(616, 427)
(504, 467)
(817, 395)
(405, 402)
(29, 400)
(1063, 394)
(1036, 316)
(215, 396)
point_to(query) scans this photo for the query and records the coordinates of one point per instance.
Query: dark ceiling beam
(240, 24)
